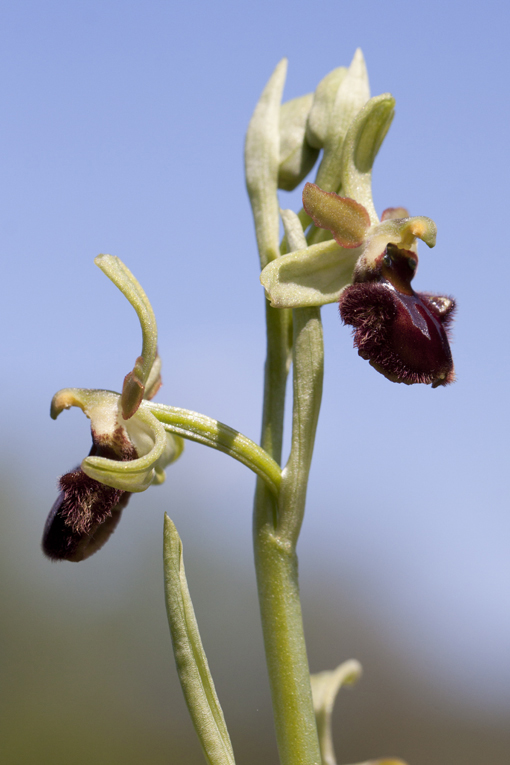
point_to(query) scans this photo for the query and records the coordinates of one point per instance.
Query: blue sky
(122, 131)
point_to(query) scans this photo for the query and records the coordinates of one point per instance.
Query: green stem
(209, 432)
(277, 580)
(287, 662)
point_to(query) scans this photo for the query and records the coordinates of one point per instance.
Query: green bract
(155, 447)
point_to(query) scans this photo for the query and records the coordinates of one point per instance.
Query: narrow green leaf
(308, 374)
(196, 681)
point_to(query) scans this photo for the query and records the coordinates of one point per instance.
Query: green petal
(361, 145)
(310, 277)
(347, 219)
(325, 686)
(194, 674)
(297, 157)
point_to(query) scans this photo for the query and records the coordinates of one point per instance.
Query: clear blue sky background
(122, 131)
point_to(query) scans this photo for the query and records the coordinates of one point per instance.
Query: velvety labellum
(403, 334)
(86, 512)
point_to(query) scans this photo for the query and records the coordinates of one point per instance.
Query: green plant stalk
(276, 527)
(209, 432)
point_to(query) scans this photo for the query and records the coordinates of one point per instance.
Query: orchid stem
(209, 432)
(275, 529)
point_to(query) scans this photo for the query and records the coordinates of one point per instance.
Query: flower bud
(297, 157)
(323, 102)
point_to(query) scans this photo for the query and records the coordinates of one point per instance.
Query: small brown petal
(347, 219)
(394, 213)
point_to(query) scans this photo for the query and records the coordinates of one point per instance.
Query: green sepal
(314, 276)
(192, 667)
(362, 142)
(297, 157)
(134, 382)
(325, 687)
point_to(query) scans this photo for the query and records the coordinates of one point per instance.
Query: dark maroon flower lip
(402, 333)
(86, 512)
(83, 517)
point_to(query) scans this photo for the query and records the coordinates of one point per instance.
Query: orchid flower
(368, 266)
(130, 447)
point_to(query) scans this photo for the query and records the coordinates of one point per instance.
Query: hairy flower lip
(83, 517)
(402, 333)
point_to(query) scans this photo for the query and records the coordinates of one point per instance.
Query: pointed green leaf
(325, 686)
(194, 675)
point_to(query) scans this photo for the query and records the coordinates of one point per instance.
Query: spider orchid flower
(130, 447)
(368, 265)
